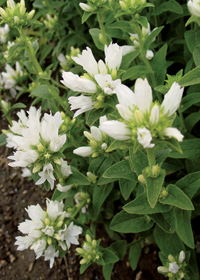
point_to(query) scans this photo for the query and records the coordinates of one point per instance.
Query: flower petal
(115, 129)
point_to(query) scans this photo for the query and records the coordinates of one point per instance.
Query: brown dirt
(16, 194)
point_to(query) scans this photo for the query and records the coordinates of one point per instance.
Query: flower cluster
(39, 143)
(15, 15)
(11, 77)
(89, 251)
(97, 144)
(99, 82)
(47, 232)
(175, 268)
(3, 33)
(144, 120)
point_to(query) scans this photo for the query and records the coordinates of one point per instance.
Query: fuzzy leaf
(166, 221)
(134, 255)
(120, 170)
(126, 187)
(138, 161)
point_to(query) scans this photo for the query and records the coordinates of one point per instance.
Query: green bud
(30, 15)
(141, 179)
(16, 19)
(47, 222)
(83, 261)
(88, 238)
(80, 251)
(49, 240)
(98, 105)
(94, 243)
(101, 38)
(3, 13)
(155, 170)
(5, 105)
(171, 258)
(37, 167)
(114, 74)
(94, 143)
(22, 7)
(57, 161)
(162, 269)
(123, 5)
(56, 236)
(59, 224)
(40, 147)
(94, 155)
(138, 116)
(170, 275)
(4, 131)
(88, 135)
(100, 97)
(47, 156)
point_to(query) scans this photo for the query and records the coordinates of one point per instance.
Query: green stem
(151, 157)
(182, 119)
(103, 31)
(81, 205)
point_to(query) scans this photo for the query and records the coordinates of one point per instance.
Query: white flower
(181, 257)
(70, 234)
(106, 83)
(173, 132)
(82, 103)
(62, 58)
(194, 7)
(83, 151)
(85, 7)
(143, 95)
(54, 208)
(65, 168)
(46, 174)
(173, 267)
(113, 56)
(3, 33)
(39, 247)
(172, 99)
(75, 83)
(50, 254)
(26, 172)
(116, 130)
(154, 117)
(63, 188)
(48, 230)
(149, 54)
(24, 242)
(144, 137)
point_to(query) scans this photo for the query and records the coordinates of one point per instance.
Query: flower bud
(88, 238)
(56, 236)
(155, 170)
(59, 224)
(47, 222)
(37, 167)
(94, 243)
(11, 3)
(22, 7)
(57, 161)
(3, 13)
(162, 269)
(88, 135)
(80, 251)
(16, 19)
(181, 257)
(141, 179)
(30, 15)
(83, 261)
(138, 116)
(40, 147)
(49, 240)
(5, 105)
(171, 258)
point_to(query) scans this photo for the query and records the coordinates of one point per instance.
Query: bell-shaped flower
(75, 83)
(113, 56)
(86, 7)
(115, 129)
(173, 267)
(143, 95)
(144, 137)
(173, 132)
(83, 151)
(82, 103)
(46, 174)
(50, 254)
(172, 99)
(194, 7)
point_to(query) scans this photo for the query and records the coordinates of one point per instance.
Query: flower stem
(81, 205)
(103, 32)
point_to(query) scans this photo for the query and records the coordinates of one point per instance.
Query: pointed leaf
(154, 186)
(184, 229)
(126, 187)
(130, 223)
(191, 78)
(166, 221)
(140, 205)
(120, 170)
(76, 178)
(138, 161)
(134, 255)
(189, 184)
(178, 198)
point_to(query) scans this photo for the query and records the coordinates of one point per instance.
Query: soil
(16, 194)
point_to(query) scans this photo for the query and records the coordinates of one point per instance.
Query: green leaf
(135, 72)
(174, 144)
(108, 256)
(13, 49)
(141, 206)
(107, 270)
(196, 55)
(95, 32)
(126, 187)
(138, 161)
(171, 6)
(116, 144)
(192, 39)
(84, 267)
(62, 195)
(189, 100)
(189, 184)
(191, 120)
(3, 139)
(94, 115)
(190, 148)
(172, 165)
(166, 221)
(142, 21)
(191, 78)
(85, 16)
(119, 248)
(76, 178)
(128, 58)
(184, 229)
(134, 255)
(120, 170)
(168, 243)
(42, 91)
(154, 186)
(130, 223)
(178, 198)
(99, 196)
(159, 65)
(123, 25)
(151, 37)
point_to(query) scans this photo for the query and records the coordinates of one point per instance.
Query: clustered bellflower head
(15, 15)
(194, 7)
(98, 83)
(97, 144)
(4, 33)
(11, 77)
(47, 232)
(90, 250)
(38, 143)
(175, 267)
(144, 120)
